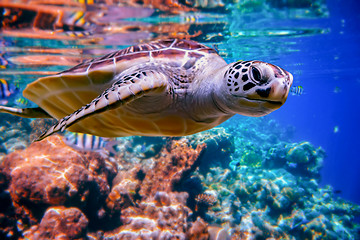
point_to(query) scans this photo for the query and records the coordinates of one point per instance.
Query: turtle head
(256, 88)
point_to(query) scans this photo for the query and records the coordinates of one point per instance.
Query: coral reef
(17, 133)
(14, 133)
(276, 204)
(301, 159)
(163, 216)
(49, 173)
(251, 184)
(219, 148)
(272, 189)
(60, 223)
(59, 192)
(175, 162)
(145, 195)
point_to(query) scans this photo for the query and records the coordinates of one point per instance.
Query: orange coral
(146, 197)
(151, 219)
(60, 223)
(175, 161)
(125, 186)
(142, 201)
(51, 173)
(198, 230)
(206, 199)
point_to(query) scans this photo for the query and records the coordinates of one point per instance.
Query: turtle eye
(256, 74)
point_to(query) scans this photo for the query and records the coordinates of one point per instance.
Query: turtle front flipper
(25, 112)
(126, 89)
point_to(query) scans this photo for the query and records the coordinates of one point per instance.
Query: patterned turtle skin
(164, 88)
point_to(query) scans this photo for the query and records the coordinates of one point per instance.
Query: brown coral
(60, 223)
(142, 201)
(163, 217)
(51, 173)
(146, 197)
(206, 199)
(125, 185)
(151, 219)
(198, 230)
(175, 162)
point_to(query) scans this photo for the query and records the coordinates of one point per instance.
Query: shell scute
(166, 42)
(106, 63)
(164, 49)
(135, 55)
(80, 68)
(188, 45)
(169, 53)
(109, 55)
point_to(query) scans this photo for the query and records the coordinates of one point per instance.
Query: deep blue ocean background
(325, 63)
(327, 66)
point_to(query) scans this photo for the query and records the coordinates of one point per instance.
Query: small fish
(297, 90)
(190, 19)
(87, 142)
(6, 90)
(77, 23)
(292, 165)
(86, 2)
(78, 34)
(22, 102)
(337, 191)
(3, 62)
(336, 129)
(337, 90)
(216, 47)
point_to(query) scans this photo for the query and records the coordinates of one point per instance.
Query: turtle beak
(281, 88)
(287, 82)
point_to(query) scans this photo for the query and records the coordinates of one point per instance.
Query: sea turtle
(164, 88)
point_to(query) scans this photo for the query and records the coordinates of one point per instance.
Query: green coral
(252, 159)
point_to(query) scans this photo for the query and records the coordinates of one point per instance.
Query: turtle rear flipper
(126, 89)
(25, 112)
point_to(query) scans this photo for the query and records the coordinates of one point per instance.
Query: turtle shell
(62, 94)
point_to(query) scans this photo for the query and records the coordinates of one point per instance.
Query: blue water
(321, 51)
(327, 67)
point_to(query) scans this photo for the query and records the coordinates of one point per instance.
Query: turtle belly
(121, 123)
